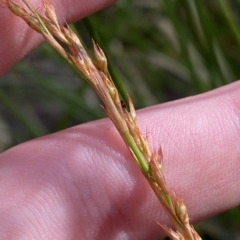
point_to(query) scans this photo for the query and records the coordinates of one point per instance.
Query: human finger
(83, 181)
(17, 38)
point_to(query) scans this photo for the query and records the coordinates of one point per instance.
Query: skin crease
(82, 183)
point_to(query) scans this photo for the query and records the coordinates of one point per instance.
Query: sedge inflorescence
(122, 115)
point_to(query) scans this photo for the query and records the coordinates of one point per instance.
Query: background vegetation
(161, 50)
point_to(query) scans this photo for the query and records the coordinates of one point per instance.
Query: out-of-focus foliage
(160, 50)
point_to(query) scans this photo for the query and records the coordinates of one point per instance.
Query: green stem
(140, 159)
(184, 43)
(226, 12)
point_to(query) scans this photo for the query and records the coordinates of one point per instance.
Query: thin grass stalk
(231, 22)
(184, 44)
(211, 40)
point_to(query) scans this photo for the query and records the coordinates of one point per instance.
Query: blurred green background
(160, 50)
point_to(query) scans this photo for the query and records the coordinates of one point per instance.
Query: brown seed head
(72, 38)
(100, 58)
(181, 210)
(170, 233)
(156, 168)
(50, 12)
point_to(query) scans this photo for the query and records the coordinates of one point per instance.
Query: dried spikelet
(100, 58)
(170, 233)
(50, 12)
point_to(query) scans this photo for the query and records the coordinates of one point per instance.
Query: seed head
(100, 58)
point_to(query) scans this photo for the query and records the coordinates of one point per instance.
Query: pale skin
(82, 183)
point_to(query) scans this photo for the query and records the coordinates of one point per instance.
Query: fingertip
(74, 10)
(17, 39)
